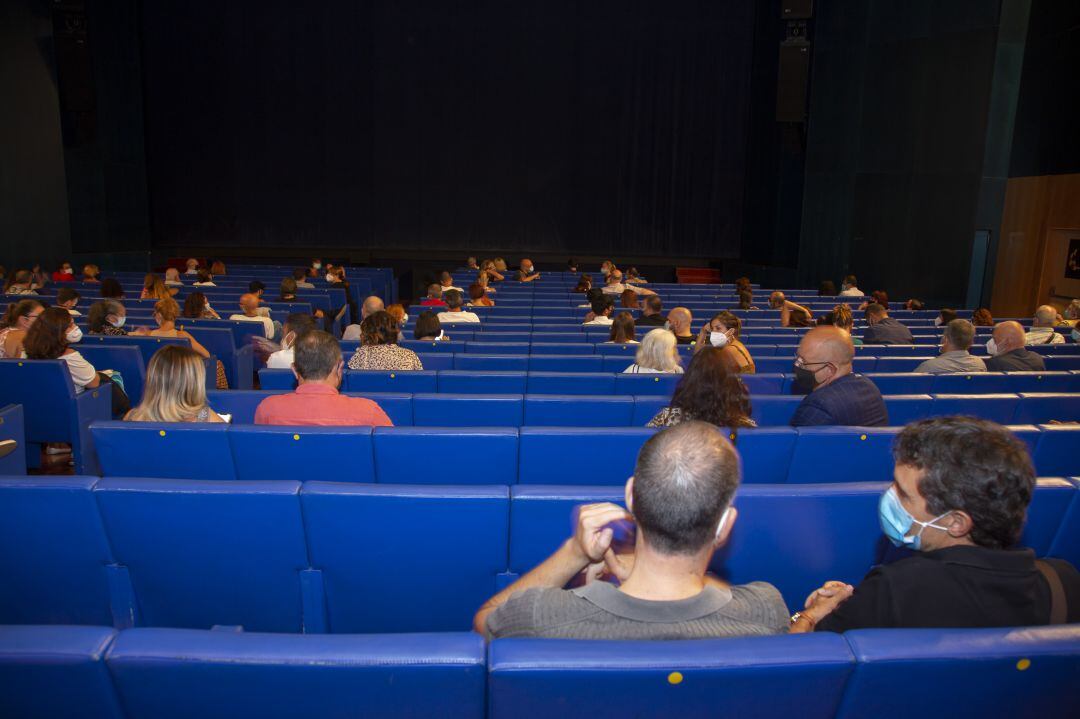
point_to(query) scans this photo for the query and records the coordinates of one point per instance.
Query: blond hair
(657, 351)
(168, 309)
(175, 389)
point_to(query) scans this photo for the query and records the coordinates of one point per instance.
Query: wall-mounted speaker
(792, 76)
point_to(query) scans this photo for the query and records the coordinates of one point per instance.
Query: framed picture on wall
(1072, 260)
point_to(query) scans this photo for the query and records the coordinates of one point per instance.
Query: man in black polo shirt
(959, 499)
(652, 314)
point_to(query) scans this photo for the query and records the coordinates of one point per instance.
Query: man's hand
(592, 537)
(823, 601)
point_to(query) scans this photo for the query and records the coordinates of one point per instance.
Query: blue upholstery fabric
(763, 383)
(766, 453)
(405, 558)
(580, 455)
(53, 553)
(482, 382)
(583, 411)
(1056, 452)
(650, 384)
(646, 407)
(277, 379)
(437, 361)
(773, 411)
(180, 674)
(1067, 542)
(565, 382)
(516, 363)
(203, 553)
(974, 383)
(739, 677)
(387, 381)
(279, 452)
(976, 671)
(843, 454)
(238, 361)
(147, 345)
(901, 382)
(999, 408)
(1046, 514)
(184, 450)
(542, 517)
(905, 408)
(1043, 382)
(1041, 407)
(453, 410)
(432, 455)
(56, 672)
(125, 359)
(12, 426)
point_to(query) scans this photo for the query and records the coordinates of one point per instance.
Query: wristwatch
(799, 615)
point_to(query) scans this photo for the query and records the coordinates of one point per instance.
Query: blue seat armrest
(90, 406)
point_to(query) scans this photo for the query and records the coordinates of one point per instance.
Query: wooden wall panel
(1035, 207)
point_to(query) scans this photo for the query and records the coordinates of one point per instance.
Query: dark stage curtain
(542, 125)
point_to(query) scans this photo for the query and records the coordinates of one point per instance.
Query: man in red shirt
(318, 366)
(434, 296)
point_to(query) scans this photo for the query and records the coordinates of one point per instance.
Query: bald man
(1007, 352)
(791, 313)
(526, 271)
(679, 320)
(1042, 327)
(249, 306)
(370, 306)
(837, 396)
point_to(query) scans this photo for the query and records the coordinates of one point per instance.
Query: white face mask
(317, 265)
(937, 321)
(723, 522)
(718, 339)
(67, 270)
(287, 340)
(1076, 335)
(404, 320)
(73, 335)
(329, 278)
(667, 325)
(118, 322)
(991, 347)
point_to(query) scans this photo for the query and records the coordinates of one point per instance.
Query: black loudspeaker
(791, 81)
(796, 9)
(74, 73)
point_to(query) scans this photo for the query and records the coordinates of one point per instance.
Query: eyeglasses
(800, 362)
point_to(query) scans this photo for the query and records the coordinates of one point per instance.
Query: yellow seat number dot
(162, 433)
(1023, 664)
(862, 437)
(296, 436)
(676, 678)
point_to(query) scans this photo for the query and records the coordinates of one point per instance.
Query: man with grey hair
(679, 500)
(954, 357)
(1042, 327)
(454, 312)
(371, 305)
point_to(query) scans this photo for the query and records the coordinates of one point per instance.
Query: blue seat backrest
(125, 359)
(436, 361)
(843, 454)
(1000, 408)
(763, 383)
(765, 452)
(37, 384)
(496, 348)
(239, 403)
(651, 384)
(970, 383)
(775, 410)
(1056, 452)
(1043, 382)
(561, 348)
(747, 676)
(514, 363)
(482, 382)
(53, 553)
(13, 427)
(571, 383)
(579, 455)
(827, 529)
(182, 450)
(566, 363)
(203, 553)
(901, 382)
(266, 452)
(1067, 542)
(985, 671)
(905, 408)
(183, 673)
(454, 410)
(1042, 407)
(433, 455)
(646, 407)
(390, 381)
(277, 379)
(56, 672)
(542, 517)
(1062, 362)
(147, 345)
(897, 364)
(552, 410)
(428, 346)
(617, 363)
(624, 352)
(450, 537)
(1046, 514)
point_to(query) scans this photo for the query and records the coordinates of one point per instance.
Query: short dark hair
(316, 354)
(593, 294)
(299, 274)
(602, 304)
(379, 328)
(46, 338)
(202, 276)
(66, 294)
(427, 325)
(875, 309)
(881, 297)
(711, 392)
(452, 298)
(960, 334)
(654, 304)
(827, 288)
(850, 281)
(684, 479)
(972, 465)
(300, 322)
(256, 286)
(111, 289)
(97, 315)
(914, 304)
(288, 288)
(947, 315)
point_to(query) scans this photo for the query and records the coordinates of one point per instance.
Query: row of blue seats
(59, 672)
(526, 455)
(239, 361)
(332, 557)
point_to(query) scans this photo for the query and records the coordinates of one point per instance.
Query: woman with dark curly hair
(708, 392)
(378, 346)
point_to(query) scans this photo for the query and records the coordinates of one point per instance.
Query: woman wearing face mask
(295, 325)
(14, 325)
(108, 317)
(722, 333)
(51, 337)
(64, 274)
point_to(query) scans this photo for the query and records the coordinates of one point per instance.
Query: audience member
(492, 271)
(175, 389)
(827, 288)
(478, 297)
(154, 289)
(658, 354)
(249, 312)
(652, 312)
(192, 266)
(370, 306)
(90, 274)
(722, 333)
(841, 317)
(571, 265)
(1007, 351)
(38, 277)
(217, 267)
(913, 304)
(884, 330)
(484, 280)
(836, 396)
(526, 272)
(299, 275)
(742, 284)
(398, 314)
(315, 267)
(172, 278)
(470, 264)
(679, 321)
(20, 283)
(746, 300)
(849, 288)
(318, 367)
(622, 330)
(791, 314)
(108, 317)
(680, 501)
(1072, 312)
(197, 307)
(606, 268)
(111, 289)
(708, 392)
(954, 357)
(615, 286)
(591, 296)
(166, 313)
(296, 325)
(1042, 327)
(64, 273)
(446, 282)
(629, 299)
(434, 296)
(203, 279)
(379, 349)
(18, 318)
(602, 309)
(454, 313)
(428, 327)
(946, 316)
(257, 288)
(982, 318)
(959, 498)
(584, 284)
(633, 277)
(68, 298)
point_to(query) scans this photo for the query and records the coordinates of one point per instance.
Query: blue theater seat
(182, 450)
(561, 348)
(797, 676)
(13, 427)
(437, 361)
(901, 382)
(1056, 452)
(468, 410)
(390, 381)
(125, 359)
(405, 558)
(180, 674)
(843, 454)
(1043, 382)
(1067, 542)
(981, 672)
(773, 411)
(1000, 408)
(277, 379)
(1046, 514)
(617, 363)
(972, 383)
(763, 383)
(1042, 407)
(56, 672)
(578, 410)
(646, 407)
(625, 352)
(766, 453)
(579, 455)
(905, 408)
(497, 348)
(204, 553)
(434, 455)
(238, 361)
(896, 364)
(513, 363)
(566, 363)
(482, 382)
(571, 383)
(447, 347)
(265, 452)
(54, 556)
(651, 384)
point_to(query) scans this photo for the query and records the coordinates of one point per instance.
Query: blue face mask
(896, 521)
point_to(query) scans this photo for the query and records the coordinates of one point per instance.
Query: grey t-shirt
(600, 611)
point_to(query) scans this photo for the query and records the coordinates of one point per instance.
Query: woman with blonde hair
(658, 354)
(175, 389)
(488, 266)
(154, 289)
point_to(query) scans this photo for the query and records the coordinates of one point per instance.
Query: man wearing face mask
(836, 396)
(959, 499)
(680, 501)
(527, 273)
(295, 325)
(1007, 352)
(954, 357)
